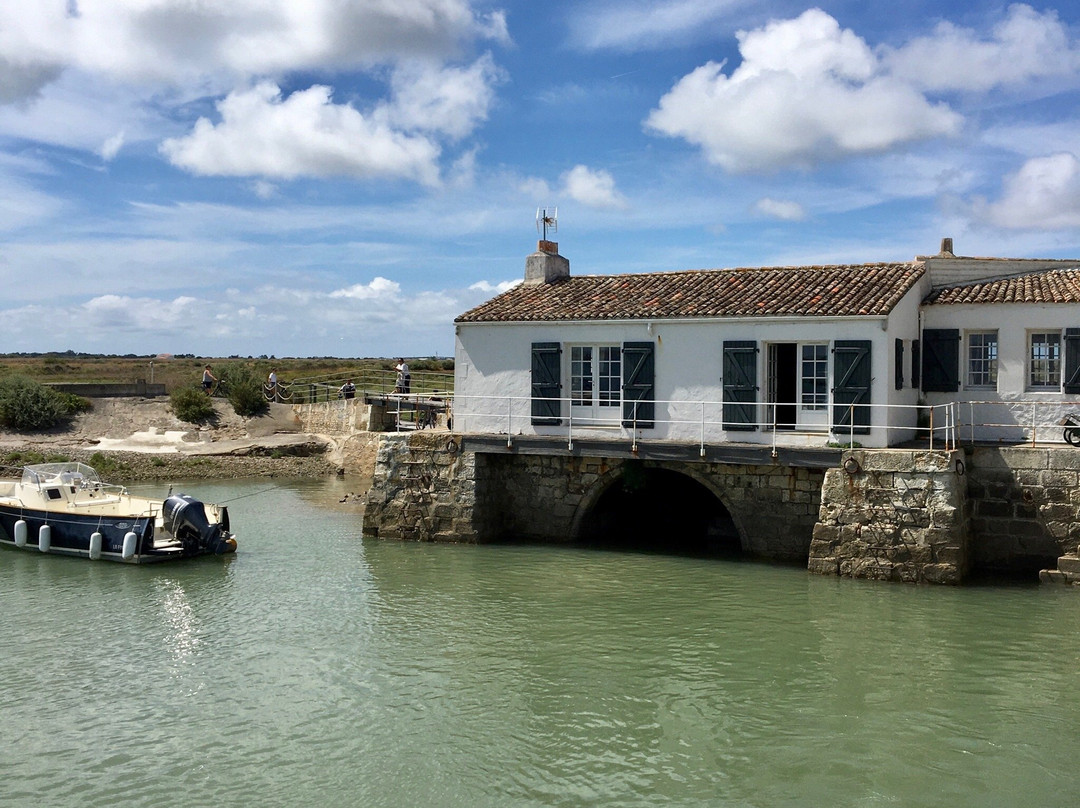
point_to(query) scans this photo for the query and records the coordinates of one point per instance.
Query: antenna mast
(546, 220)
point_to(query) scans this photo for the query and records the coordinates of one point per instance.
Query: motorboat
(66, 509)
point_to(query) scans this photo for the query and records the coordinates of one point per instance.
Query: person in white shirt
(403, 378)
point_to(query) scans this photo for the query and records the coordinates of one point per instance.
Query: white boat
(65, 509)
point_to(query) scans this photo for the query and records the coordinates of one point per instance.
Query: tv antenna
(545, 220)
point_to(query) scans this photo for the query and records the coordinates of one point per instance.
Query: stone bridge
(909, 515)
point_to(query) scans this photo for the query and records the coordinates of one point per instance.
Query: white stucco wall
(493, 374)
(1009, 412)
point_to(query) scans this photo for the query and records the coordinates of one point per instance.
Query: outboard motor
(185, 518)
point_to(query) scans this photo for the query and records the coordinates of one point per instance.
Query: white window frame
(595, 389)
(986, 354)
(1052, 360)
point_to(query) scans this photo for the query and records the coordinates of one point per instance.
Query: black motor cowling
(185, 518)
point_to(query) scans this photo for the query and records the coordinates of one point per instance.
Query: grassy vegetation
(182, 371)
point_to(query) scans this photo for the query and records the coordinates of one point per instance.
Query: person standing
(347, 390)
(403, 379)
(208, 380)
(271, 385)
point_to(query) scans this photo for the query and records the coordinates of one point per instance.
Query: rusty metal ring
(851, 466)
(960, 467)
(451, 446)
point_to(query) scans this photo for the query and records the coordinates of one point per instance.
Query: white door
(814, 385)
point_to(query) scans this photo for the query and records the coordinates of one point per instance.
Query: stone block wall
(422, 490)
(340, 417)
(1025, 505)
(894, 515)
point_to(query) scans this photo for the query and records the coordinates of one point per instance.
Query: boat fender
(44, 538)
(129, 545)
(20, 533)
(95, 545)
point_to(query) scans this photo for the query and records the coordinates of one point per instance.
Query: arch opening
(661, 511)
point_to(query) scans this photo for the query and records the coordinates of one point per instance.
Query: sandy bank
(140, 439)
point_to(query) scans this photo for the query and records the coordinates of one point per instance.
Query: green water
(315, 668)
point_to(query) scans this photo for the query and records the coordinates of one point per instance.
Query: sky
(344, 177)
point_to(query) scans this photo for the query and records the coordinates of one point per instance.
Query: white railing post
(851, 425)
(932, 427)
(702, 428)
(569, 425)
(509, 421)
(1034, 412)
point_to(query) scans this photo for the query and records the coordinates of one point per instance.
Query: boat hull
(70, 534)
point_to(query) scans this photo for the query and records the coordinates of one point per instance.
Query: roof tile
(815, 291)
(1047, 286)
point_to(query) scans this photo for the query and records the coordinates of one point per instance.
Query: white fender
(129, 545)
(95, 546)
(44, 538)
(20, 533)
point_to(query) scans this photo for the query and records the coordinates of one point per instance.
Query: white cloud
(489, 288)
(262, 134)
(806, 91)
(1025, 46)
(112, 145)
(449, 100)
(644, 25)
(378, 288)
(1043, 195)
(594, 188)
(174, 41)
(785, 210)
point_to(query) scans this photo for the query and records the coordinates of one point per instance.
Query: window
(1044, 366)
(815, 377)
(982, 353)
(595, 376)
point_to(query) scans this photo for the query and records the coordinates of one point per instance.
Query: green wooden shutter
(898, 362)
(546, 383)
(941, 360)
(639, 372)
(851, 379)
(1072, 360)
(740, 385)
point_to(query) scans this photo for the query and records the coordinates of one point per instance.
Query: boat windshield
(63, 473)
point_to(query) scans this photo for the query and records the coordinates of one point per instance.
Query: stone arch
(658, 506)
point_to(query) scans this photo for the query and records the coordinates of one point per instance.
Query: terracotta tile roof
(815, 291)
(1048, 286)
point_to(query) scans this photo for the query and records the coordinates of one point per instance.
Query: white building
(794, 356)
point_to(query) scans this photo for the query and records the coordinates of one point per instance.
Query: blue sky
(343, 178)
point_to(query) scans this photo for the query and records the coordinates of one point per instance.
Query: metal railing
(1013, 422)
(376, 381)
(703, 422)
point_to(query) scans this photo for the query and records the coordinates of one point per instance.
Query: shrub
(76, 404)
(191, 404)
(245, 390)
(27, 405)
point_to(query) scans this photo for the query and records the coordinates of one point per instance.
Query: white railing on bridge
(702, 422)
